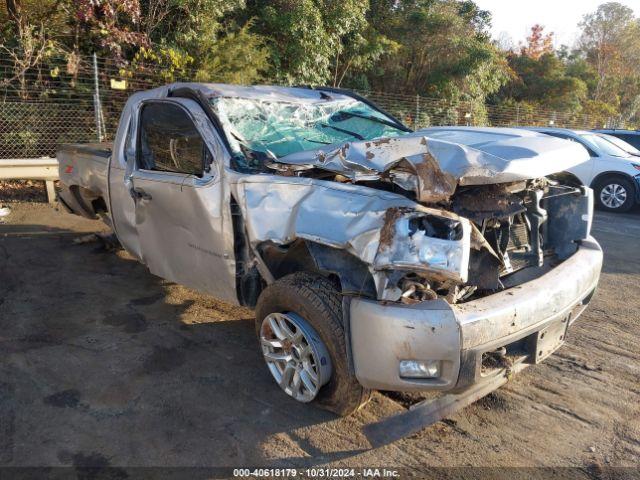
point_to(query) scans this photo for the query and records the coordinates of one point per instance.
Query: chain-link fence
(31, 129)
(45, 105)
(420, 112)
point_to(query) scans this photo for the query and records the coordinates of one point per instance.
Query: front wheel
(300, 328)
(615, 194)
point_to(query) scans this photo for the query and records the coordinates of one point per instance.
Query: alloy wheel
(295, 355)
(613, 195)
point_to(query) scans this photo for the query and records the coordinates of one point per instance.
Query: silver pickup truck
(375, 257)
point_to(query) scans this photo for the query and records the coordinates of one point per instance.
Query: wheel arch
(318, 302)
(82, 201)
(268, 261)
(567, 177)
(350, 274)
(611, 173)
(634, 181)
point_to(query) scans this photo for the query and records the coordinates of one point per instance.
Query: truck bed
(83, 169)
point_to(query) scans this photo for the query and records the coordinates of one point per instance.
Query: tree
(201, 39)
(610, 43)
(607, 38)
(433, 48)
(538, 43)
(314, 41)
(21, 13)
(14, 11)
(444, 50)
(544, 81)
(188, 25)
(239, 56)
(28, 41)
(112, 25)
(31, 47)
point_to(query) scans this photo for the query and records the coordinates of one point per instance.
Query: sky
(515, 17)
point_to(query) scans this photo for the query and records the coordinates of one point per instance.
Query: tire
(609, 192)
(318, 302)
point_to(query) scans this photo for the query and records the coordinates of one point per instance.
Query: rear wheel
(615, 194)
(300, 327)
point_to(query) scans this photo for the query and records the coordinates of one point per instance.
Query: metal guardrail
(44, 168)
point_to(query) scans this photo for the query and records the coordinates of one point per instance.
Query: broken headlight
(425, 243)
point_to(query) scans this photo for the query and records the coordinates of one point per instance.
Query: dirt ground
(101, 363)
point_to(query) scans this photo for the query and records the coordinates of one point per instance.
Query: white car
(613, 173)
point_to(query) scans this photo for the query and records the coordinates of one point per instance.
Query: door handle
(140, 194)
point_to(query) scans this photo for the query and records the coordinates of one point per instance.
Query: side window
(571, 139)
(631, 139)
(169, 141)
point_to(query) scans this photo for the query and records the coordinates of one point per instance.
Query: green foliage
(443, 50)
(599, 112)
(237, 57)
(431, 48)
(299, 48)
(610, 43)
(187, 25)
(172, 63)
(315, 41)
(199, 40)
(545, 81)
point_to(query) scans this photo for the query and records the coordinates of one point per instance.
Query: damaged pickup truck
(375, 257)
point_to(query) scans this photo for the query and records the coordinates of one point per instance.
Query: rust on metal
(388, 230)
(434, 184)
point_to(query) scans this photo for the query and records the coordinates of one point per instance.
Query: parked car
(632, 137)
(613, 173)
(375, 257)
(618, 142)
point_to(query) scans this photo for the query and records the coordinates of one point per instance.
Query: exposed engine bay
(481, 239)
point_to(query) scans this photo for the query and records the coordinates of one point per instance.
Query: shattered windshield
(282, 128)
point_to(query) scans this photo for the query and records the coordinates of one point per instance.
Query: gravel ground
(105, 364)
(22, 191)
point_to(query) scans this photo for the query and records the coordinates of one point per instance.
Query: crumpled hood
(433, 167)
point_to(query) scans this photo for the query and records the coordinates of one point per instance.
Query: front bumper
(458, 335)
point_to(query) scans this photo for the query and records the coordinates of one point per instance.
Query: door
(182, 217)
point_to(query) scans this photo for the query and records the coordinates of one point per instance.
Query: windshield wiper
(257, 158)
(311, 140)
(371, 118)
(348, 132)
